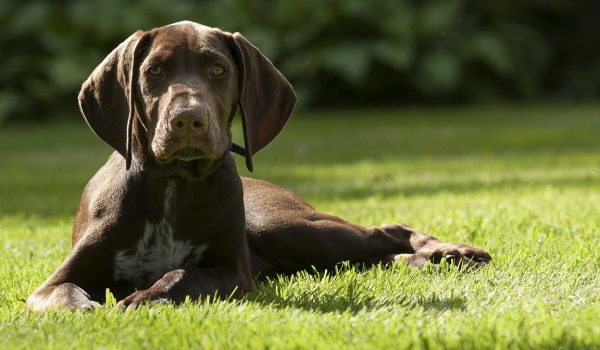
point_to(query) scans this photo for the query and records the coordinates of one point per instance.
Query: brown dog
(168, 217)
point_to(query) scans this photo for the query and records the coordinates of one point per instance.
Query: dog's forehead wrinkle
(161, 52)
(203, 51)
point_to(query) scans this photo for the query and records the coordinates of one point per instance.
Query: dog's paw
(84, 305)
(63, 296)
(458, 254)
(140, 297)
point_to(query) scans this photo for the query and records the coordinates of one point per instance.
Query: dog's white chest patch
(157, 251)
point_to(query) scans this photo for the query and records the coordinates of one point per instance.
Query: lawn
(521, 181)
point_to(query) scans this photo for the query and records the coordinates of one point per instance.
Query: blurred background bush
(335, 52)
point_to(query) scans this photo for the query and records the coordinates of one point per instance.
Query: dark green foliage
(333, 51)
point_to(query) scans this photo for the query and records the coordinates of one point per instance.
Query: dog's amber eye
(155, 70)
(217, 70)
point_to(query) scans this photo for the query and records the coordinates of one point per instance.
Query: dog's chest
(157, 251)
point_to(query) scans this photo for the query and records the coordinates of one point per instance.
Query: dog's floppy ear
(266, 98)
(107, 99)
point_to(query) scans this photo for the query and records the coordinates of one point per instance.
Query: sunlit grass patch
(522, 182)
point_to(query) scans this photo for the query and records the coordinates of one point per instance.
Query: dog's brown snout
(188, 120)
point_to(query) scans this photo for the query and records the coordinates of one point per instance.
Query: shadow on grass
(354, 292)
(385, 189)
(45, 167)
(61, 199)
(328, 302)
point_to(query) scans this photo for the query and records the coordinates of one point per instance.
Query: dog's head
(169, 95)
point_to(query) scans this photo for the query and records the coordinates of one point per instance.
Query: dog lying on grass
(168, 217)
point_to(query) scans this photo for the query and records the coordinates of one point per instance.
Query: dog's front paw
(459, 254)
(140, 297)
(65, 295)
(85, 305)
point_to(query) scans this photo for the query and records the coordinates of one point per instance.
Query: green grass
(522, 182)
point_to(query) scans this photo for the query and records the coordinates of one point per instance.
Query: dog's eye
(217, 70)
(155, 70)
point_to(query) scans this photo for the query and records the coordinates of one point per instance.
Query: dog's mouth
(186, 154)
(187, 163)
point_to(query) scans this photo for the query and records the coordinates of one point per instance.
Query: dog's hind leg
(287, 234)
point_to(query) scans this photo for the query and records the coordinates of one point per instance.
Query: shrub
(333, 51)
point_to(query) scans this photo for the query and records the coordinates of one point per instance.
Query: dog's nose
(188, 120)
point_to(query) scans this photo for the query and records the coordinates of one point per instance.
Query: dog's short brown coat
(168, 217)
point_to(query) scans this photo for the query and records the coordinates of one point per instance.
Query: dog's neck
(192, 171)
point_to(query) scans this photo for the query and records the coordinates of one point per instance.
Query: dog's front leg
(64, 288)
(195, 283)
(65, 294)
